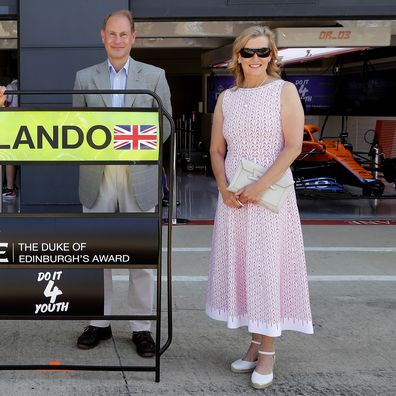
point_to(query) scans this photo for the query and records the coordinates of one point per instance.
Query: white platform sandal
(244, 366)
(261, 381)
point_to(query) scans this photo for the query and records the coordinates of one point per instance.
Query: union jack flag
(135, 137)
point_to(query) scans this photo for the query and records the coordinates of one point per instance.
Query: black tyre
(190, 166)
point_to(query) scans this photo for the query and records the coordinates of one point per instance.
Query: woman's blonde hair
(240, 42)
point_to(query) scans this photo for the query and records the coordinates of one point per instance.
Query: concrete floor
(352, 273)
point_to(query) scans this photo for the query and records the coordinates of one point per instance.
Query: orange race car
(330, 157)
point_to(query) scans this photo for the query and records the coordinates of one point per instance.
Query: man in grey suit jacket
(123, 188)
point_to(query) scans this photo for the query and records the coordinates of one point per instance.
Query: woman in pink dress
(257, 273)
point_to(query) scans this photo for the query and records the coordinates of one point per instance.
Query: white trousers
(115, 197)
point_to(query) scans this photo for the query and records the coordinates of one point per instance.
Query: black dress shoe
(92, 335)
(145, 345)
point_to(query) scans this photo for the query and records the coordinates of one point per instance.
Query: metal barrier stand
(153, 221)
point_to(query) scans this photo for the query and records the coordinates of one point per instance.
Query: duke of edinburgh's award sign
(79, 135)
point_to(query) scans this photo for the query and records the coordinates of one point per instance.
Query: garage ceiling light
(299, 55)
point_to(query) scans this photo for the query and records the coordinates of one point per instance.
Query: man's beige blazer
(144, 183)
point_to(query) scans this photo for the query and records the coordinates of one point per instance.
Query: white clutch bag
(274, 197)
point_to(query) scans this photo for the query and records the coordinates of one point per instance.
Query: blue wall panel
(57, 38)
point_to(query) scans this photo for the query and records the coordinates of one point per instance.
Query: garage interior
(354, 107)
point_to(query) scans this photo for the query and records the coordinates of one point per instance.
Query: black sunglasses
(249, 52)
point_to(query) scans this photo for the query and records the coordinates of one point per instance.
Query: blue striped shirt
(118, 81)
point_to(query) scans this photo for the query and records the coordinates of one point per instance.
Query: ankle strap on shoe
(266, 353)
(256, 342)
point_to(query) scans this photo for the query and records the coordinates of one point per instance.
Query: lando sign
(78, 135)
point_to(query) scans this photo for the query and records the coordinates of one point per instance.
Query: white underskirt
(270, 330)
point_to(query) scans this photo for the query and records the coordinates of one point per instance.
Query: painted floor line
(354, 249)
(375, 249)
(311, 278)
(352, 278)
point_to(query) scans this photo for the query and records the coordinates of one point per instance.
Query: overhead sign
(78, 135)
(333, 37)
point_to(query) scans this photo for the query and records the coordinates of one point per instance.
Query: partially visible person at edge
(9, 189)
(121, 188)
(257, 271)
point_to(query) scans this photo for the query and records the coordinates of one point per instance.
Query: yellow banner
(78, 135)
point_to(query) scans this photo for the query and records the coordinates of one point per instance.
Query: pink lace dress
(257, 271)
